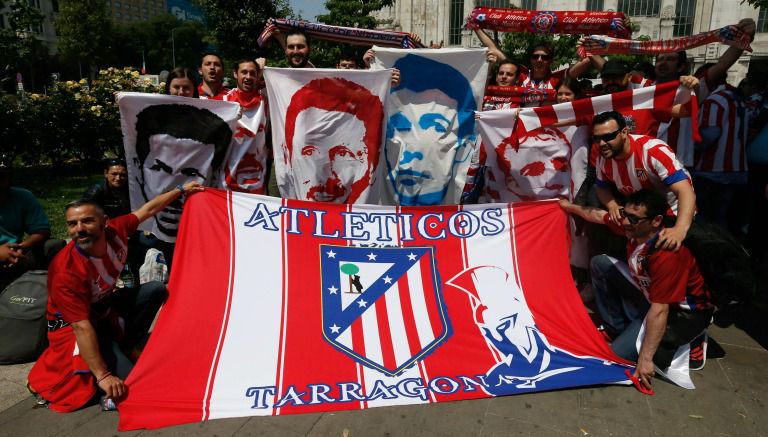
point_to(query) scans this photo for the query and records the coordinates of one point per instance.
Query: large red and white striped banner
(280, 306)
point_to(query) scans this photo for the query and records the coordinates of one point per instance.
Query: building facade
(46, 32)
(442, 21)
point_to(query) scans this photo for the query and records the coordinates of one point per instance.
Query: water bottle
(126, 277)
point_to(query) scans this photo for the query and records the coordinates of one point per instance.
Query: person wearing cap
(24, 230)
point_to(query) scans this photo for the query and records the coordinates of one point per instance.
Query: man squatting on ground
(662, 288)
(90, 322)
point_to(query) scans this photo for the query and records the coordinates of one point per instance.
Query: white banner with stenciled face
(431, 131)
(327, 131)
(171, 140)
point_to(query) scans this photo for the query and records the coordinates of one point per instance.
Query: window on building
(762, 25)
(528, 4)
(493, 3)
(684, 12)
(117, 5)
(2, 21)
(595, 5)
(640, 8)
(55, 5)
(457, 22)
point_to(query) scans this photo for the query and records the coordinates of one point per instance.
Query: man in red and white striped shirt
(721, 166)
(630, 163)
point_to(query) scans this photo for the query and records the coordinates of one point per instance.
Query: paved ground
(730, 399)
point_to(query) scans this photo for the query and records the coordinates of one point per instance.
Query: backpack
(23, 327)
(723, 262)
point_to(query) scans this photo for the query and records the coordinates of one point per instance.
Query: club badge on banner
(431, 131)
(311, 307)
(245, 167)
(171, 140)
(544, 163)
(327, 131)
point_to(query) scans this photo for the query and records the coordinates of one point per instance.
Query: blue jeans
(623, 307)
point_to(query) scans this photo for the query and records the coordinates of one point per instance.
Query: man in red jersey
(212, 71)
(90, 319)
(659, 288)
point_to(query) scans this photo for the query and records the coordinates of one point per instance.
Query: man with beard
(297, 49)
(90, 321)
(629, 163)
(246, 166)
(212, 71)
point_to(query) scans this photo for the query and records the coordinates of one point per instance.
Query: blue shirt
(21, 214)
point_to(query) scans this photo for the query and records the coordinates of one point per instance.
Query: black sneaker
(698, 352)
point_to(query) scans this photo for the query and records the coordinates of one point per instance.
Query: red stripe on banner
(385, 334)
(728, 158)
(283, 309)
(547, 115)
(223, 334)
(358, 338)
(195, 309)
(414, 346)
(540, 234)
(441, 361)
(305, 345)
(582, 108)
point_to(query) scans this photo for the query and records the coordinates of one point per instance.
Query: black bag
(23, 327)
(724, 263)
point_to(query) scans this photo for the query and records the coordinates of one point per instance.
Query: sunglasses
(633, 219)
(606, 137)
(539, 57)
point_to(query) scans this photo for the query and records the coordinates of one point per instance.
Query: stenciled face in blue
(429, 133)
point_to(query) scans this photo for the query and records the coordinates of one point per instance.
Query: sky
(308, 9)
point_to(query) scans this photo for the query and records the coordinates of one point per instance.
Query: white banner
(245, 167)
(172, 140)
(532, 165)
(431, 131)
(327, 130)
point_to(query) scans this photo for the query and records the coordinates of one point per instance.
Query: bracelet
(180, 188)
(106, 375)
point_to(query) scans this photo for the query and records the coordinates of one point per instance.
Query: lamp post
(173, 47)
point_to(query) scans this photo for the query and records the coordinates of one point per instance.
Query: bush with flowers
(71, 121)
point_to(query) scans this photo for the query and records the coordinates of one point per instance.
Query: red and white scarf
(601, 45)
(517, 95)
(573, 22)
(350, 35)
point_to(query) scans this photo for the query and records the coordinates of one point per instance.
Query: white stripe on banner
(250, 360)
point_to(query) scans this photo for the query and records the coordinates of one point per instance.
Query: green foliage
(347, 13)
(71, 122)
(84, 28)
(153, 37)
(234, 25)
(756, 3)
(18, 45)
(518, 46)
(352, 13)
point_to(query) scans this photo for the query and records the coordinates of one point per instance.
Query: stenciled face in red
(248, 175)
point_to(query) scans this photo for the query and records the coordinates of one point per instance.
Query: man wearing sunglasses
(659, 288)
(629, 163)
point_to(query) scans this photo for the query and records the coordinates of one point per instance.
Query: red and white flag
(310, 307)
(662, 96)
(327, 131)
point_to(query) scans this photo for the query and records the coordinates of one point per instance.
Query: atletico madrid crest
(382, 307)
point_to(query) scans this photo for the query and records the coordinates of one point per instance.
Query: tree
(236, 24)
(84, 28)
(19, 46)
(757, 3)
(347, 13)
(159, 38)
(353, 13)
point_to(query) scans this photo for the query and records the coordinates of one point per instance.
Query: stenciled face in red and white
(248, 176)
(329, 156)
(539, 167)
